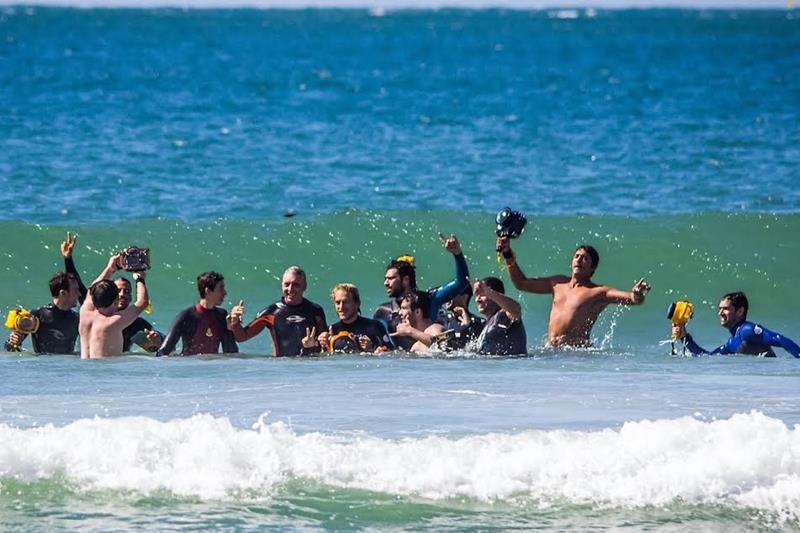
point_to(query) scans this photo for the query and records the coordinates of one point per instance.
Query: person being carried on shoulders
(101, 319)
(416, 323)
(746, 337)
(353, 333)
(291, 320)
(202, 328)
(577, 300)
(503, 333)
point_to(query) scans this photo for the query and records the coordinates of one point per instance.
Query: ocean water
(247, 140)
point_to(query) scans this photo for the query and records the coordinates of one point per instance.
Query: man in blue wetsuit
(746, 337)
(401, 280)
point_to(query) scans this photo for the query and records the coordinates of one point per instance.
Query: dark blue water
(126, 114)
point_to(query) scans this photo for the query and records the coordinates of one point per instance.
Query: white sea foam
(381, 6)
(749, 460)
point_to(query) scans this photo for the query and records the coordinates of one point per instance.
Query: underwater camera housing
(21, 321)
(680, 312)
(510, 223)
(134, 259)
(344, 341)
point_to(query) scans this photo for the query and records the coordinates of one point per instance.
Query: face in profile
(729, 316)
(393, 283)
(217, 296)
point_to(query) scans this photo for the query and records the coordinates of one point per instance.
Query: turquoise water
(666, 138)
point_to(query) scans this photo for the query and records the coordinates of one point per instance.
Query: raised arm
(518, 278)
(454, 287)
(67, 247)
(633, 297)
(508, 305)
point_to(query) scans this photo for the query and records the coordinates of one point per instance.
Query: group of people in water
(412, 320)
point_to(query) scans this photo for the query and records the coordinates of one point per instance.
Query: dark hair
(495, 284)
(404, 268)
(419, 300)
(738, 300)
(592, 253)
(60, 282)
(208, 280)
(104, 293)
(123, 278)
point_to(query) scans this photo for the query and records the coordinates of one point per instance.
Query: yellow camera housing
(22, 321)
(680, 312)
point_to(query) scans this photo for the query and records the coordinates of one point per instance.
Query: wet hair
(405, 269)
(592, 251)
(419, 300)
(123, 278)
(738, 300)
(297, 271)
(350, 289)
(104, 293)
(59, 282)
(495, 284)
(208, 281)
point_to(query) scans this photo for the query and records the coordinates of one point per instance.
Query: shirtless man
(577, 300)
(101, 319)
(416, 323)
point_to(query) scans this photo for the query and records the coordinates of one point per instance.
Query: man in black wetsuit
(353, 333)
(202, 328)
(141, 331)
(504, 332)
(58, 321)
(295, 323)
(400, 280)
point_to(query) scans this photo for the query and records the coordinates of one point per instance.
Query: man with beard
(746, 337)
(400, 280)
(416, 323)
(141, 331)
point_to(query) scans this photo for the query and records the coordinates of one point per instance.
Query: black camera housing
(510, 223)
(135, 259)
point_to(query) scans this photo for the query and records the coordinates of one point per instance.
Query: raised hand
(68, 245)
(310, 340)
